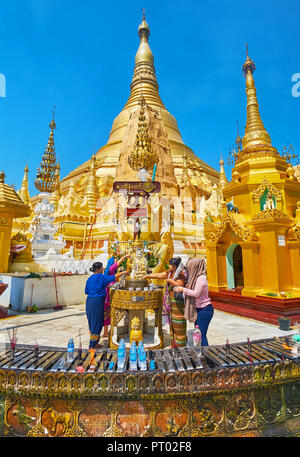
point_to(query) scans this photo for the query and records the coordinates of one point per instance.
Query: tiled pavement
(54, 328)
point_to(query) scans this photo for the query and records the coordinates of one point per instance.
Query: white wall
(70, 291)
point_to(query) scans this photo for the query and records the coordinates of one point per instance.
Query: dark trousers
(204, 316)
(95, 317)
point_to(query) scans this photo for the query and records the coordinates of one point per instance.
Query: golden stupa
(79, 200)
(144, 83)
(254, 246)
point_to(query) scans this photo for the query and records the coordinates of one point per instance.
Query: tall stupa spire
(91, 191)
(46, 178)
(144, 80)
(255, 132)
(223, 180)
(24, 192)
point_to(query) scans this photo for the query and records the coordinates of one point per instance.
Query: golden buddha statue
(139, 265)
(136, 333)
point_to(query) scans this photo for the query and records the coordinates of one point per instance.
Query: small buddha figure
(269, 202)
(136, 333)
(139, 265)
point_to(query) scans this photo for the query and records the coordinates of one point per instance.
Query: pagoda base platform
(261, 308)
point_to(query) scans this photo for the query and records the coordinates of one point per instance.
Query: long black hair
(96, 266)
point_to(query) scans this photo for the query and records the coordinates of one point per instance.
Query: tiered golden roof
(10, 201)
(46, 178)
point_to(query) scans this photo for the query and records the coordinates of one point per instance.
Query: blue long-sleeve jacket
(96, 284)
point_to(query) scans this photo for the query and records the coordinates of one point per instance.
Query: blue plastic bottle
(142, 359)
(133, 357)
(152, 365)
(121, 355)
(70, 350)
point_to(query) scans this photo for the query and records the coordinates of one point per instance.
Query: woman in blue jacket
(95, 290)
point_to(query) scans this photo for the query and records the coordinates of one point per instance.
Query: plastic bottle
(133, 357)
(142, 357)
(197, 339)
(70, 350)
(152, 365)
(121, 355)
(139, 350)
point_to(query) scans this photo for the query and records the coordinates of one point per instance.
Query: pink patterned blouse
(200, 292)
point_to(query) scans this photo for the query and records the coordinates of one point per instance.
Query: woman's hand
(178, 289)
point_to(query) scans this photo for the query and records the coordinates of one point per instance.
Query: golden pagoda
(254, 247)
(119, 159)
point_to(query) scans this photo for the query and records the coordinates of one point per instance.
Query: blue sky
(80, 57)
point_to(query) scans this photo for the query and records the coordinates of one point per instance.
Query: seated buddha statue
(139, 265)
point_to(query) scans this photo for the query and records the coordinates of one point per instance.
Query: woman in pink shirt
(198, 307)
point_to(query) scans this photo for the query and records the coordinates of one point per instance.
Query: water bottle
(152, 365)
(197, 339)
(139, 349)
(133, 357)
(142, 359)
(70, 350)
(121, 355)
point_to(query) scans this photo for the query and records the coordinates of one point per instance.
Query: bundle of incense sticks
(36, 349)
(249, 345)
(13, 337)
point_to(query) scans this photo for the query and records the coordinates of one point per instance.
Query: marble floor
(54, 328)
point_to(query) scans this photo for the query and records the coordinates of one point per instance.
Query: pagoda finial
(2, 177)
(255, 132)
(46, 176)
(144, 78)
(223, 180)
(52, 124)
(144, 53)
